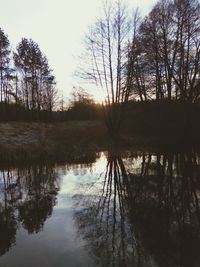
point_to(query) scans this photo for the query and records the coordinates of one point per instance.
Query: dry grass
(48, 141)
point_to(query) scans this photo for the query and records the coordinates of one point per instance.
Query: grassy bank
(24, 142)
(144, 125)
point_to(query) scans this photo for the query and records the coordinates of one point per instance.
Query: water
(134, 209)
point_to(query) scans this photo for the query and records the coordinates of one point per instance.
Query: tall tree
(38, 81)
(136, 63)
(187, 64)
(168, 43)
(106, 46)
(4, 61)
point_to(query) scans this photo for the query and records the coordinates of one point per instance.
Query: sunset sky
(58, 27)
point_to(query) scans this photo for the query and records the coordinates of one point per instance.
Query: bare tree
(169, 45)
(106, 46)
(186, 67)
(4, 61)
(137, 82)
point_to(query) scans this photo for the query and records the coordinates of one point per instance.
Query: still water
(133, 209)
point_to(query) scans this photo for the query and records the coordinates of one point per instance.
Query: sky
(59, 27)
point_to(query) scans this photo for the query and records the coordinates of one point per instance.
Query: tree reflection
(145, 215)
(105, 222)
(8, 224)
(41, 186)
(8, 227)
(166, 197)
(27, 196)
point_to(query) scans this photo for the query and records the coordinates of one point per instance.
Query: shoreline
(25, 143)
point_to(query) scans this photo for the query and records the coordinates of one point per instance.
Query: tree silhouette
(38, 82)
(27, 197)
(4, 61)
(144, 215)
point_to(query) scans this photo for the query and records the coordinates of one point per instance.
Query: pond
(124, 209)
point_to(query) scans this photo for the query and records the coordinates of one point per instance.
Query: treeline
(154, 57)
(164, 54)
(80, 106)
(142, 59)
(26, 79)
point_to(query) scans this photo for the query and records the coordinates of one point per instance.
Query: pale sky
(59, 27)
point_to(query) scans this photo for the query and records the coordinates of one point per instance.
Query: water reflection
(145, 211)
(8, 227)
(27, 196)
(166, 200)
(136, 209)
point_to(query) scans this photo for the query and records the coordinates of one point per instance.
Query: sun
(99, 97)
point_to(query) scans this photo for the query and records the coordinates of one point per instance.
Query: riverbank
(23, 142)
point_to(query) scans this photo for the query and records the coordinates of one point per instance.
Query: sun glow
(99, 97)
